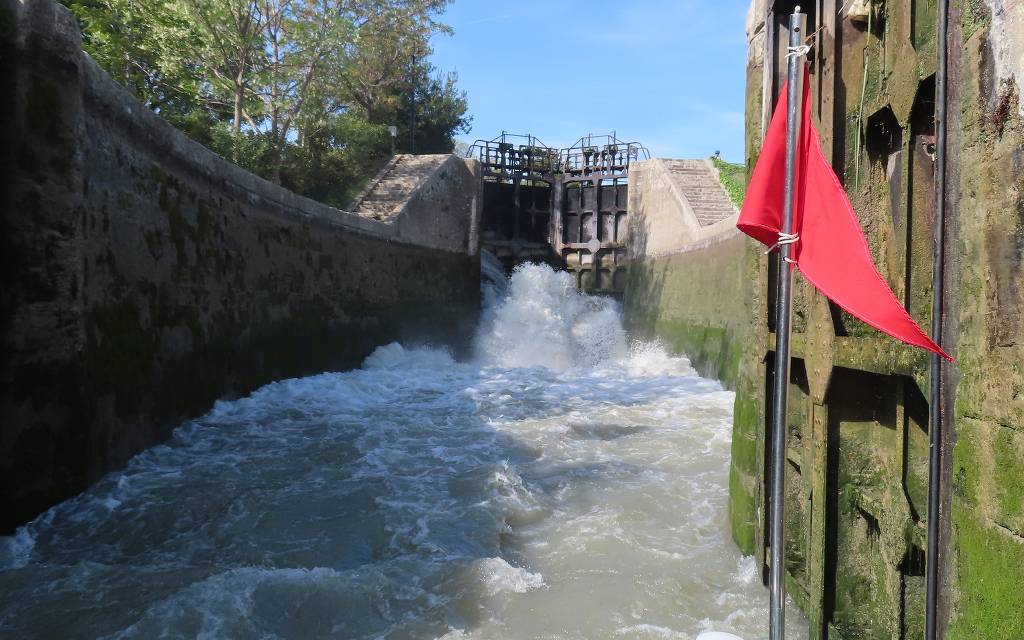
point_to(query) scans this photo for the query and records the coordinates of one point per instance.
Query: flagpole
(783, 321)
(935, 386)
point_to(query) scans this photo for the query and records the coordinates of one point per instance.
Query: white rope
(799, 52)
(790, 238)
(784, 238)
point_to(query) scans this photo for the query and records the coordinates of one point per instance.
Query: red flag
(831, 251)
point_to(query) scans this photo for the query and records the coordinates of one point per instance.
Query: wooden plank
(816, 557)
(881, 354)
(826, 56)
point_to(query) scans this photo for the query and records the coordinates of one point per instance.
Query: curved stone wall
(144, 277)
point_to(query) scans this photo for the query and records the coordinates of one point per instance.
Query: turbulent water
(561, 485)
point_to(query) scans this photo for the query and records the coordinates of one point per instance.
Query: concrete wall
(858, 457)
(436, 214)
(688, 284)
(143, 277)
(661, 220)
(696, 301)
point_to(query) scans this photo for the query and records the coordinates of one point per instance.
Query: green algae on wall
(987, 542)
(988, 546)
(859, 448)
(695, 302)
(743, 469)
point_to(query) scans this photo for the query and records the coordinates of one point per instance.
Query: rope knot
(798, 52)
(784, 238)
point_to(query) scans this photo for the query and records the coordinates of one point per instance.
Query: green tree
(441, 113)
(299, 91)
(125, 37)
(391, 37)
(224, 42)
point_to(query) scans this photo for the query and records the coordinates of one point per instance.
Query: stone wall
(696, 301)
(986, 211)
(688, 283)
(144, 277)
(857, 473)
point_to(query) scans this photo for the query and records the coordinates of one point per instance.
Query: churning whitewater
(561, 485)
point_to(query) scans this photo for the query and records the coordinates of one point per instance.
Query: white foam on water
(747, 570)
(649, 359)
(396, 357)
(545, 321)
(562, 484)
(16, 550)
(639, 631)
(498, 576)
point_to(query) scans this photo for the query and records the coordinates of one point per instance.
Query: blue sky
(667, 73)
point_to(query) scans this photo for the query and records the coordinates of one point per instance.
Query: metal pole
(783, 315)
(412, 108)
(938, 264)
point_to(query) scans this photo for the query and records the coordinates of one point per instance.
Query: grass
(733, 177)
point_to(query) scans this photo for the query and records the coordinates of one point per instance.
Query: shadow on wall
(645, 284)
(145, 277)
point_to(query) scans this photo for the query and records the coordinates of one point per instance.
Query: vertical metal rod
(938, 266)
(783, 315)
(412, 109)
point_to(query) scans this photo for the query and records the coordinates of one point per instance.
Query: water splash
(544, 321)
(559, 485)
(493, 281)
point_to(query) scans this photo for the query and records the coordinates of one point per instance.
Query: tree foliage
(298, 91)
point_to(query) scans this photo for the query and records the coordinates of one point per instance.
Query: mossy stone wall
(143, 277)
(696, 301)
(857, 473)
(986, 553)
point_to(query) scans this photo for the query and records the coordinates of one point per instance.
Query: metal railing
(510, 157)
(602, 154)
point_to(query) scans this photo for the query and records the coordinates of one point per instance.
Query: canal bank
(145, 277)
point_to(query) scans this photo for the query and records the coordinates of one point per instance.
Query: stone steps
(699, 183)
(391, 188)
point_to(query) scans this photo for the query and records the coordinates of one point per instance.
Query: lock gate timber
(566, 207)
